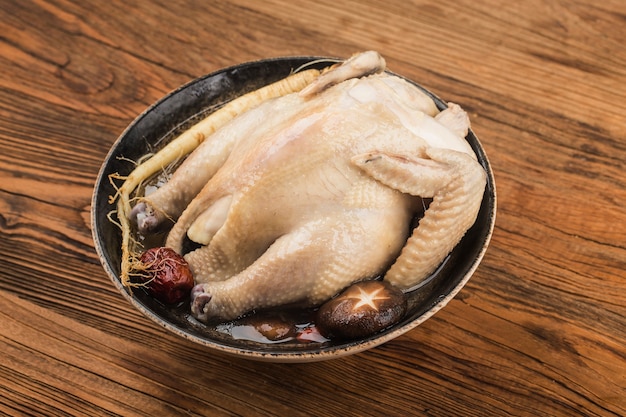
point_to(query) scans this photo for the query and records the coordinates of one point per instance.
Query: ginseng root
(184, 144)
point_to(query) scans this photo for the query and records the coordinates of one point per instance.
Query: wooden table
(539, 330)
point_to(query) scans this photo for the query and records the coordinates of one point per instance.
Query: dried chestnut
(272, 328)
(165, 274)
(363, 309)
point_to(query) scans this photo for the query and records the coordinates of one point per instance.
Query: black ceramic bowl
(180, 109)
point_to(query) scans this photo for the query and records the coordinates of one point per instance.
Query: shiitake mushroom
(363, 309)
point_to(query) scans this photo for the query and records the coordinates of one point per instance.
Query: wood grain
(539, 330)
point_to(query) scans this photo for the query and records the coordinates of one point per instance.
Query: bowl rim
(323, 352)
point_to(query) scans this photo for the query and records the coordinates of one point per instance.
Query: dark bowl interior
(181, 108)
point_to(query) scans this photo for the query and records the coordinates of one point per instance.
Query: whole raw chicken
(305, 194)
